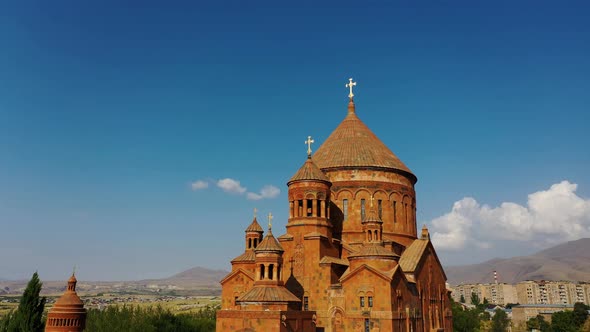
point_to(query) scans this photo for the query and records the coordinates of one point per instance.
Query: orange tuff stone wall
(265, 321)
(398, 203)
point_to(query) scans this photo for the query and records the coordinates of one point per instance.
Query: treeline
(479, 320)
(149, 319)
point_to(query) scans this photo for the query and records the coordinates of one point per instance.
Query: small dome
(254, 227)
(372, 216)
(309, 172)
(269, 243)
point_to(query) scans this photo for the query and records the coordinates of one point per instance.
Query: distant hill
(567, 261)
(195, 281)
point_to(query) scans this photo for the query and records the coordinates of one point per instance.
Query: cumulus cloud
(550, 216)
(231, 186)
(266, 192)
(199, 184)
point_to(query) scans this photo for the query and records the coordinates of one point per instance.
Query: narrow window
(345, 208)
(406, 210)
(271, 269)
(370, 301)
(380, 208)
(235, 300)
(367, 325)
(309, 207)
(394, 211)
(249, 243)
(362, 209)
(261, 271)
(362, 301)
(305, 303)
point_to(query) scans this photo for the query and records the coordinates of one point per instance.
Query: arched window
(362, 209)
(261, 271)
(249, 243)
(271, 269)
(370, 238)
(345, 209)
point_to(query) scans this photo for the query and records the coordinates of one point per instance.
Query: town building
(552, 292)
(523, 312)
(351, 258)
(68, 313)
(494, 293)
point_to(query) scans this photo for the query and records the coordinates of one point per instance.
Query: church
(351, 258)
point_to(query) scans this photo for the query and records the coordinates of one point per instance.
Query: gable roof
(387, 275)
(235, 273)
(414, 254)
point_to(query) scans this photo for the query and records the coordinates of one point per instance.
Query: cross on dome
(309, 141)
(349, 85)
(255, 211)
(269, 221)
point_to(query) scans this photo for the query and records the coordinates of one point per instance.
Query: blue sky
(110, 110)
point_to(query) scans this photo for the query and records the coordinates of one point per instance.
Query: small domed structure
(68, 313)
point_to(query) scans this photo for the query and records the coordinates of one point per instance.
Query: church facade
(351, 258)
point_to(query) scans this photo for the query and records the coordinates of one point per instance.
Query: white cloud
(199, 184)
(550, 216)
(267, 191)
(231, 186)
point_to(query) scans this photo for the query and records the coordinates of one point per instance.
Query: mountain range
(566, 261)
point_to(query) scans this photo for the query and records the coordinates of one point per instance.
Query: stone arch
(360, 191)
(336, 315)
(310, 195)
(342, 194)
(381, 194)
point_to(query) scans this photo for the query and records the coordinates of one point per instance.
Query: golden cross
(308, 142)
(269, 221)
(255, 210)
(350, 85)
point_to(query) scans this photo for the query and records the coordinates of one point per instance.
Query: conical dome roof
(309, 171)
(70, 297)
(269, 243)
(353, 144)
(372, 216)
(254, 227)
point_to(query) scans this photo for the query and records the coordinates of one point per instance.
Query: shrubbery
(137, 319)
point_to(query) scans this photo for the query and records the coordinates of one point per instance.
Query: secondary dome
(353, 144)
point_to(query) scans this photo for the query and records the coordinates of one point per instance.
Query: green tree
(500, 321)
(563, 321)
(465, 320)
(475, 299)
(533, 323)
(28, 317)
(544, 326)
(462, 299)
(580, 314)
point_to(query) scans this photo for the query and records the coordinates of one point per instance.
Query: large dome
(353, 144)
